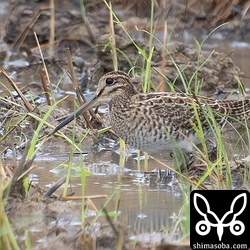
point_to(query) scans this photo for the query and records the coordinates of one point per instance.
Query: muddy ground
(88, 40)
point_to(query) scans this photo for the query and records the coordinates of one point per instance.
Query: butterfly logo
(203, 227)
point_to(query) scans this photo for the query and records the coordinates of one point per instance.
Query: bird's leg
(182, 160)
(212, 149)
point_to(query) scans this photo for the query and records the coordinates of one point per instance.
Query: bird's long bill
(74, 115)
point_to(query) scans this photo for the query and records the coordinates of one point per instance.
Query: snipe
(160, 121)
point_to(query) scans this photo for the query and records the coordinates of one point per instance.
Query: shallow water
(147, 203)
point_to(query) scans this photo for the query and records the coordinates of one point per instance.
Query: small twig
(71, 70)
(45, 87)
(15, 87)
(227, 55)
(21, 169)
(92, 205)
(8, 103)
(21, 37)
(112, 39)
(45, 68)
(52, 28)
(163, 56)
(66, 198)
(86, 21)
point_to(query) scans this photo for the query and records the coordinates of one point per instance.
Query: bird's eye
(109, 81)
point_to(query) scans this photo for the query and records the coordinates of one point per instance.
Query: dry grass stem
(21, 37)
(52, 28)
(45, 87)
(66, 198)
(45, 68)
(16, 88)
(160, 88)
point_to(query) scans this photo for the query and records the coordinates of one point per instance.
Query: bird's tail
(237, 110)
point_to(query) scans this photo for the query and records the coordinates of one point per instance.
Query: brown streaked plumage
(159, 121)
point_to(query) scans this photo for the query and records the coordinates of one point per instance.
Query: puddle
(148, 207)
(143, 200)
